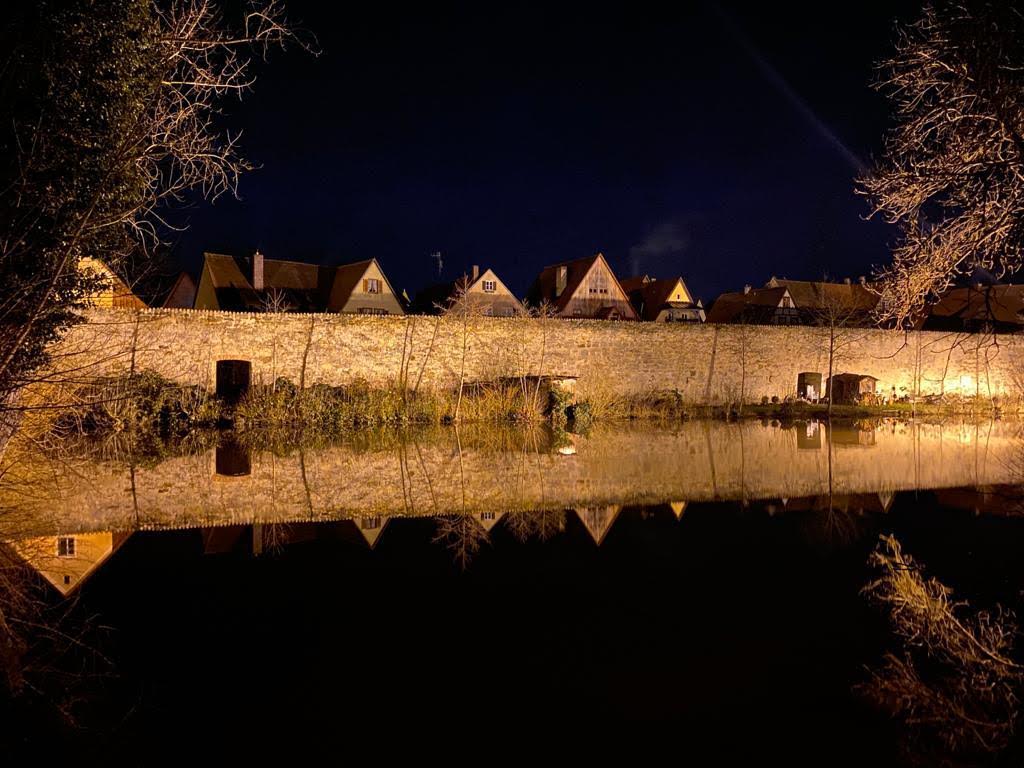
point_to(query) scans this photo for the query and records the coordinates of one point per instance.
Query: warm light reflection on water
(491, 477)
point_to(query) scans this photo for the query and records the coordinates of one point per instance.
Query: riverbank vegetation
(954, 681)
(153, 408)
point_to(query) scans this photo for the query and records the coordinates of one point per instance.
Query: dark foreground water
(731, 627)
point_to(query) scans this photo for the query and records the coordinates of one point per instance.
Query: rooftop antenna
(440, 262)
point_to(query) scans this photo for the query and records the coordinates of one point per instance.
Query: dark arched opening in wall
(233, 379)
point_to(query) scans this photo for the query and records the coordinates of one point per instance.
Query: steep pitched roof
(443, 295)
(730, 306)
(654, 293)
(812, 295)
(182, 294)
(1002, 304)
(576, 272)
(346, 278)
(121, 295)
(303, 287)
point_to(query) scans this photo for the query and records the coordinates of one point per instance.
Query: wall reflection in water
(476, 481)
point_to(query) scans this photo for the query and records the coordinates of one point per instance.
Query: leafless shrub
(954, 682)
(540, 524)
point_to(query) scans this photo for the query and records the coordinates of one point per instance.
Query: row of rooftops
(584, 288)
(970, 308)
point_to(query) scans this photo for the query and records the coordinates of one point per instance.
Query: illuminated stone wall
(703, 363)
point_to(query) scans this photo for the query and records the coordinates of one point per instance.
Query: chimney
(476, 272)
(561, 278)
(862, 280)
(257, 271)
(746, 289)
(846, 281)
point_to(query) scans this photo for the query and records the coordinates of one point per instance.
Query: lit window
(372, 311)
(486, 515)
(490, 286)
(370, 523)
(66, 546)
(372, 285)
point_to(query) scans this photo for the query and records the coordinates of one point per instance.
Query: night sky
(719, 143)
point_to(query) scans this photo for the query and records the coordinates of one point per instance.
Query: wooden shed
(851, 388)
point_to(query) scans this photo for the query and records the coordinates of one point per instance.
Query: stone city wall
(705, 364)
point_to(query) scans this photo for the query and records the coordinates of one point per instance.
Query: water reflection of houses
(986, 499)
(598, 520)
(678, 508)
(67, 561)
(371, 528)
(488, 520)
(877, 503)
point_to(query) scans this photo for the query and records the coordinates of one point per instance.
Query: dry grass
(334, 409)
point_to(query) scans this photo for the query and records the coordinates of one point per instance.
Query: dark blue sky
(718, 143)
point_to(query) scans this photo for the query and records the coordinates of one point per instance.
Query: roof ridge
(573, 261)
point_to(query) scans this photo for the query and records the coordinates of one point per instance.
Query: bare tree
(462, 535)
(952, 175)
(467, 309)
(841, 311)
(81, 190)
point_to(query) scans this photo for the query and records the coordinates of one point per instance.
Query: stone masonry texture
(703, 364)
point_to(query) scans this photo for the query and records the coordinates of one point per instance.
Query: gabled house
(114, 293)
(978, 308)
(488, 520)
(258, 284)
(371, 528)
(798, 302)
(584, 288)
(67, 561)
(851, 302)
(361, 288)
(665, 300)
(598, 520)
(759, 306)
(182, 294)
(484, 293)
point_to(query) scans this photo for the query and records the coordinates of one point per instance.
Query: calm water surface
(702, 579)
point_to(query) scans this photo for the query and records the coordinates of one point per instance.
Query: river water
(704, 577)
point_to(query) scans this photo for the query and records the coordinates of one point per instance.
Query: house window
(486, 515)
(370, 523)
(372, 285)
(490, 286)
(66, 546)
(372, 311)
